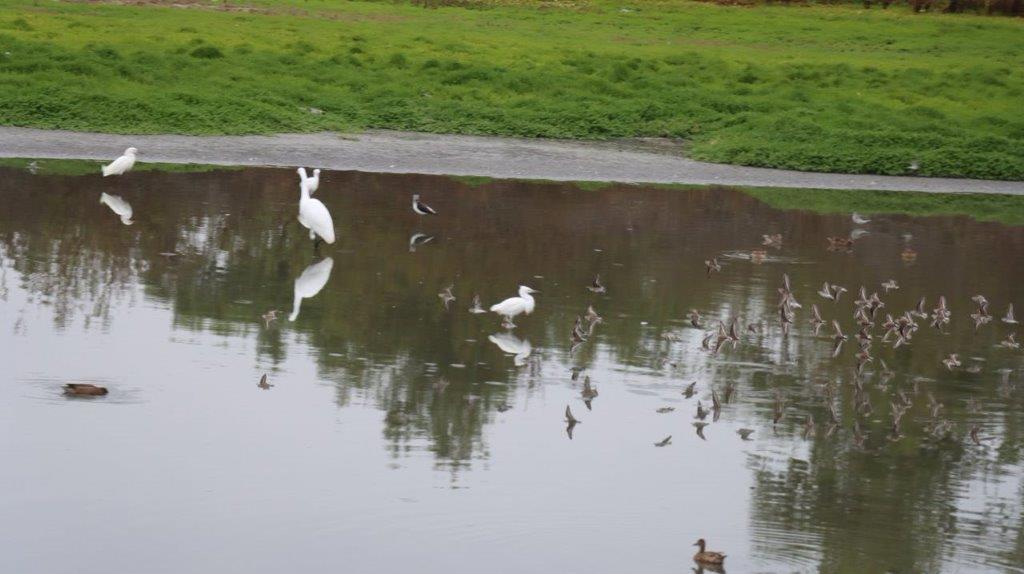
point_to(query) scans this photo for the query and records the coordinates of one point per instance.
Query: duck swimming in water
(707, 556)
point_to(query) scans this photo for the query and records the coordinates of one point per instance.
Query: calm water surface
(359, 459)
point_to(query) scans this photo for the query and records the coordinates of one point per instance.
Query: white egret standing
(313, 183)
(121, 164)
(314, 216)
(118, 205)
(513, 345)
(513, 306)
(309, 283)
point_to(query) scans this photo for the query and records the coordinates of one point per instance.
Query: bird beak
(534, 291)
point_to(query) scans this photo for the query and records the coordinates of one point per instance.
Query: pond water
(401, 435)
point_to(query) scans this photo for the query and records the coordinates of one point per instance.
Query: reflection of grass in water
(1008, 209)
(87, 167)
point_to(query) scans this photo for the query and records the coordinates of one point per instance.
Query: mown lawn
(813, 88)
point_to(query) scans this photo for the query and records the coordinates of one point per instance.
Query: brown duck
(84, 390)
(707, 556)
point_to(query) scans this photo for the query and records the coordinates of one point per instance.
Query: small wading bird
(706, 556)
(314, 216)
(421, 208)
(596, 286)
(745, 433)
(514, 306)
(699, 425)
(119, 206)
(311, 183)
(570, 421)
(269, 317)
(831, 292)
(263, 384)
(84, 390)
(477, 307)
(695, 318)
(890, 285)
(688, 391)
(1009, 319)
(122, 164)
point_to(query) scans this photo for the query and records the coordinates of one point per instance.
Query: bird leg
(507, 323)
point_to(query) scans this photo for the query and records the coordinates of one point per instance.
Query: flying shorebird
(699, 425)
(713, 265)
(592, 315)
(596, 286)
(664, 442)
(1010, 342)
(890, 285)
(269, 317)
(695, 318)
(1009, 319)
(122, 164)
(514, 306)
(311, 183)
(701, 412)
(837, 339)
(772, 240)
(953, 360)
(859, 219)
(688, 391)
(446, 296)
(421, 208)
(263, 384)
(477, 307)
(816, 319)
(664, 410)
(745, 433)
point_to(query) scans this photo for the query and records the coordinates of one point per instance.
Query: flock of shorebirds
(869, 313)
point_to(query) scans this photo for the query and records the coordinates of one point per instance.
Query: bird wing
(314, 214)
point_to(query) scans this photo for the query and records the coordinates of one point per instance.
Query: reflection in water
(118, 205)
(393, 419)
(418, 239)
(310, 283)
(512, 345)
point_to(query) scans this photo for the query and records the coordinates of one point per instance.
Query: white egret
(421, 208)
(859, 219)
(512, 345)
(513, 306)
(118, 205)
(313, 183)
(314, 216)
(121, 164)
(309, 283)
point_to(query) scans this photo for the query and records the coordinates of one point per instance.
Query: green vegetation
(1007, 209)
(88, 167)
(829, 88)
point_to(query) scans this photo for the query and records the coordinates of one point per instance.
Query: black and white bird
(421, 208)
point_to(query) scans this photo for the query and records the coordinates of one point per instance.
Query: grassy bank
(812, 88)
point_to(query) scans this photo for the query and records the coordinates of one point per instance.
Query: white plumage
(513, 306)
(121, 164)
(312, 183)
(313, 215)
(118, 205)
(513, 345)
(309, 283)
(859, 219)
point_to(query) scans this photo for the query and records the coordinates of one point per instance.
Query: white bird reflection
(513, 345)
(310, 283)
(418, 239)
(118, 205)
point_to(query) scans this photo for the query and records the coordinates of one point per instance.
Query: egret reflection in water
(118, 205)
(513, 345)
(309, 283)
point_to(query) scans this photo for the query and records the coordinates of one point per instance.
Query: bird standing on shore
(421, 208)
(122, 164)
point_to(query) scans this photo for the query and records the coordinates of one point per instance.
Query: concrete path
(402, 152)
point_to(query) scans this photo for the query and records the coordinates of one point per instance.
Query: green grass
(812, 88)
(1006, 209)
(88, 167)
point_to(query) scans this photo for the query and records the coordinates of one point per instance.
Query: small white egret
(118, 205)
(312, 183)
(513, 345)
(121, 164)
(421, 208)
(513, 306)
(313, 215)
(309, 283)
(859, 219)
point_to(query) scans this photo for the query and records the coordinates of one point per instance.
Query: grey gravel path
(402, 152)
